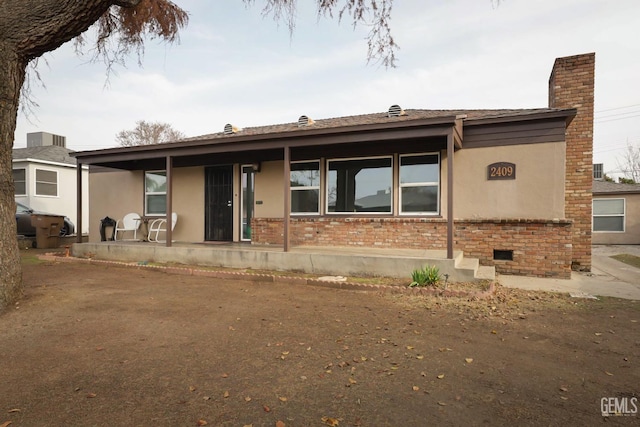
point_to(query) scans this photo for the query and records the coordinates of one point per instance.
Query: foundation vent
(230, 129)
(305, 121)
(503, 255)
(396, 111)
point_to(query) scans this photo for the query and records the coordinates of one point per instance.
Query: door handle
(229, 204)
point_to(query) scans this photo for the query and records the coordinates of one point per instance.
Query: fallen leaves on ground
(333, 422)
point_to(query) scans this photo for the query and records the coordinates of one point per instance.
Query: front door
(218, 203)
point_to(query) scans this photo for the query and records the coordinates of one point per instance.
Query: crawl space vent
(305, 121)
(503, 255)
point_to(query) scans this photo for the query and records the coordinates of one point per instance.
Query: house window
(361, 185)
(419, 184)
(608, 215)
(305, 188)
(46, 183)
(155, 193)
(20, 181)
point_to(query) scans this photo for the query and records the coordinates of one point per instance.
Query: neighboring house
(45, 177)
(616, 213)
(511, 187)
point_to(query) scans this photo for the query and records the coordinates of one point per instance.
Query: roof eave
(567, 114)
(284, 136)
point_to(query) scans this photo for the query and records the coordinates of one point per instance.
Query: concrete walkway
(608, 277)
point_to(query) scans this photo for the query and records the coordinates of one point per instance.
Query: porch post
(450, 150)
(169, 207)
(78, 201)
(287, 196)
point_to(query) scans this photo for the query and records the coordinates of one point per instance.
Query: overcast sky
(232, 65)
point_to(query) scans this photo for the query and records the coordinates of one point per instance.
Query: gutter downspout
(79, 201)
(287, 196)
(169, 207)
(450, 150)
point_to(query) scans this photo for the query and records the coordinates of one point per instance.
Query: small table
(145, 220)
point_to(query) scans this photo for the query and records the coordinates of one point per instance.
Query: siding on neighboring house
(50, 181)
(616, 213)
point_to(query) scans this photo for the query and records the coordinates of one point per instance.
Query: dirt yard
(94, 345)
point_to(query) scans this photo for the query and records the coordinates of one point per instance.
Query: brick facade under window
(540, 248)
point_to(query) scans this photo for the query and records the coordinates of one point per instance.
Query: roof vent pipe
(396, 111)
(230, 129)
(305, 121)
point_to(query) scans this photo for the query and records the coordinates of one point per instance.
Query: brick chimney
(571, 86)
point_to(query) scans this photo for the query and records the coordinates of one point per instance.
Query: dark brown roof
(605, 187)
(378, 118)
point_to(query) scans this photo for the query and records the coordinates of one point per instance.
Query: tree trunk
(28, 29)
(12, 72)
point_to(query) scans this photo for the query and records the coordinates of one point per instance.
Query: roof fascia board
(45, 162)
(567, 114)
(267, 142)
(615, 193)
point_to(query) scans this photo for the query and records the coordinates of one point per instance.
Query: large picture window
(20, 181)
(360, 185)
(608, 215)
(305, 187)
(155, 193)
(419, 184)
(46, 183)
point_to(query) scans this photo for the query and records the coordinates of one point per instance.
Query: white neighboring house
(45, 178)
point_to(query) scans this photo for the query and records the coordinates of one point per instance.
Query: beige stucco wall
(115, 193)
(270, 190)
(188, 203)
(536, 193)
(631, 235)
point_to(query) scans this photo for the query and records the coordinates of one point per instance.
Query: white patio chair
(159, 225)
(130, 222)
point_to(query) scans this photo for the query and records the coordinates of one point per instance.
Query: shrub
(429, 275)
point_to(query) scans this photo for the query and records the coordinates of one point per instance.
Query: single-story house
(45, 174)
(616, 213)
(510, 187)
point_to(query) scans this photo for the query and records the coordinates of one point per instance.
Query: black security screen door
(219, 203)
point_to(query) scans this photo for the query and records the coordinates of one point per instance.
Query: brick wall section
(571, 85)
(541, 248)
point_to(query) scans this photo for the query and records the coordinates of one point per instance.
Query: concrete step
(486, 272)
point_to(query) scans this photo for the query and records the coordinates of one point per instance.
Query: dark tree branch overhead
(374, 14)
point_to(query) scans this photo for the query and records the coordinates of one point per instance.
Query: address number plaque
(501, 170)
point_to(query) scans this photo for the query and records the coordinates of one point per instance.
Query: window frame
(623, 215)
(154, 193)
(391, 185)
(419, 184)
(37, 181)
(23, 181)
(307, 187)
